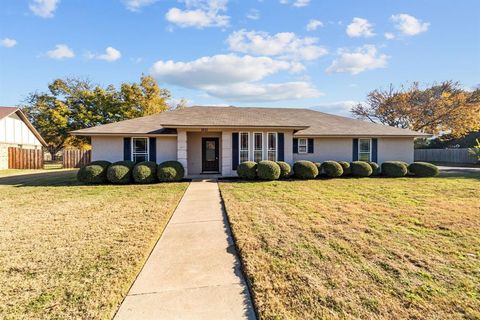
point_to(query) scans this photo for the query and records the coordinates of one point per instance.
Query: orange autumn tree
(441, 108)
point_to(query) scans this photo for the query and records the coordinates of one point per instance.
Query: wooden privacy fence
(444, 155)
(76, 158)
(25, 158)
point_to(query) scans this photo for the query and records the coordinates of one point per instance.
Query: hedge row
(125, 172)
(269, 170)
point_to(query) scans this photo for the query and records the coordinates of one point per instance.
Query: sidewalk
(193, 271)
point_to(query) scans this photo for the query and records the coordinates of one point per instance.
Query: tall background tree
(75, 103)
(441, 108)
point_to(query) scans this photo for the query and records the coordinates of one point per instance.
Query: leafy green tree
(475, 150)
(75, 103)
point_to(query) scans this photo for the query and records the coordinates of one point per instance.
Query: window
(302, 145)
(257, 146)
(244, 146)
(364, 149)
(139, 149)
(272, 146)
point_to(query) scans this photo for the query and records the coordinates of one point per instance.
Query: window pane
(258, 141)
(243, 156)
(302, 149)
(244, 141)
(302, 142)
(140, 145)
(272, 155)
(272, 141)
(140, 157)
(364, 145)
(257, 156)
(210, 151)
(364, 156)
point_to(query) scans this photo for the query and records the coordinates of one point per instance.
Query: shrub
(361, 169)
(346, 168)
(170, 171)
(375, 168)
(394, 169)
(423, 169)
(304, 169)
(145, 172)
(268, 170)
(94, 173)
(319, 168)
(120, 172)
(285, 169)
(247, 170)
(332, 169)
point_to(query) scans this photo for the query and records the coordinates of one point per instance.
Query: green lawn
(371, 248)
(69, 251)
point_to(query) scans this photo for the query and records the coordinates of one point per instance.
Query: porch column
(226, 153)
(182, 149)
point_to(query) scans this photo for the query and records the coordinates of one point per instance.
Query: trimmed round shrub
(304, 169)
(394, 169)
(285, 169)
(120, 172)
(93, 173)
(170, 171)
(247, 170)
(145, 172)
(346, 168)
(319, 168)
(361, 169)
(332, 169)
(375, 168)
(423, 169)
(268, 170)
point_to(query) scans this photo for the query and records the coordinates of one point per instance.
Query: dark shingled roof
(307, 122)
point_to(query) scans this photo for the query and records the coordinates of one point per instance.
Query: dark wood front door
(210, 150)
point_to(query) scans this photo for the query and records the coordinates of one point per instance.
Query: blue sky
(298, 53)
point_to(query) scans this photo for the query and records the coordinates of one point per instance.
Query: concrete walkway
(193, 271)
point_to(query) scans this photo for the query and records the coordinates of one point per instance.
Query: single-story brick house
(217, 139)
(16, 131)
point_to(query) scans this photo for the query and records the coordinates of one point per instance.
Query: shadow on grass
(42, 179)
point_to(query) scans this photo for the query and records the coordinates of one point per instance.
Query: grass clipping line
(360, 248)
(71, 251)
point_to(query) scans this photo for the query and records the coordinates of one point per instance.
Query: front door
(210, 148)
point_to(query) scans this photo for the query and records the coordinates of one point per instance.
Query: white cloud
(61, 51)
(111, 54)
(360, 27)
(284, 45)
(258, 92)
(359, 60)
(137, 5)
(253, 14)
(44, 8)
(314, 25)
(297, 3)
(389, 36)
(8, 43)
(409, 25)
(200, 14)
(336, 107)
(218, 69)
(234, 77)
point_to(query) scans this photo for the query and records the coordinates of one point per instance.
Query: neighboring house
(16, 131)
(217, 139)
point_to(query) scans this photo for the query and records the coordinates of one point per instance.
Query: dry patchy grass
(71, 252)
(372, 248)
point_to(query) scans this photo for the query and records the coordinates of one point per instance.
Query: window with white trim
(272, 146)
(140, 149)
(302, 145)
(257, 146)
(364, 149)
(244, 146)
